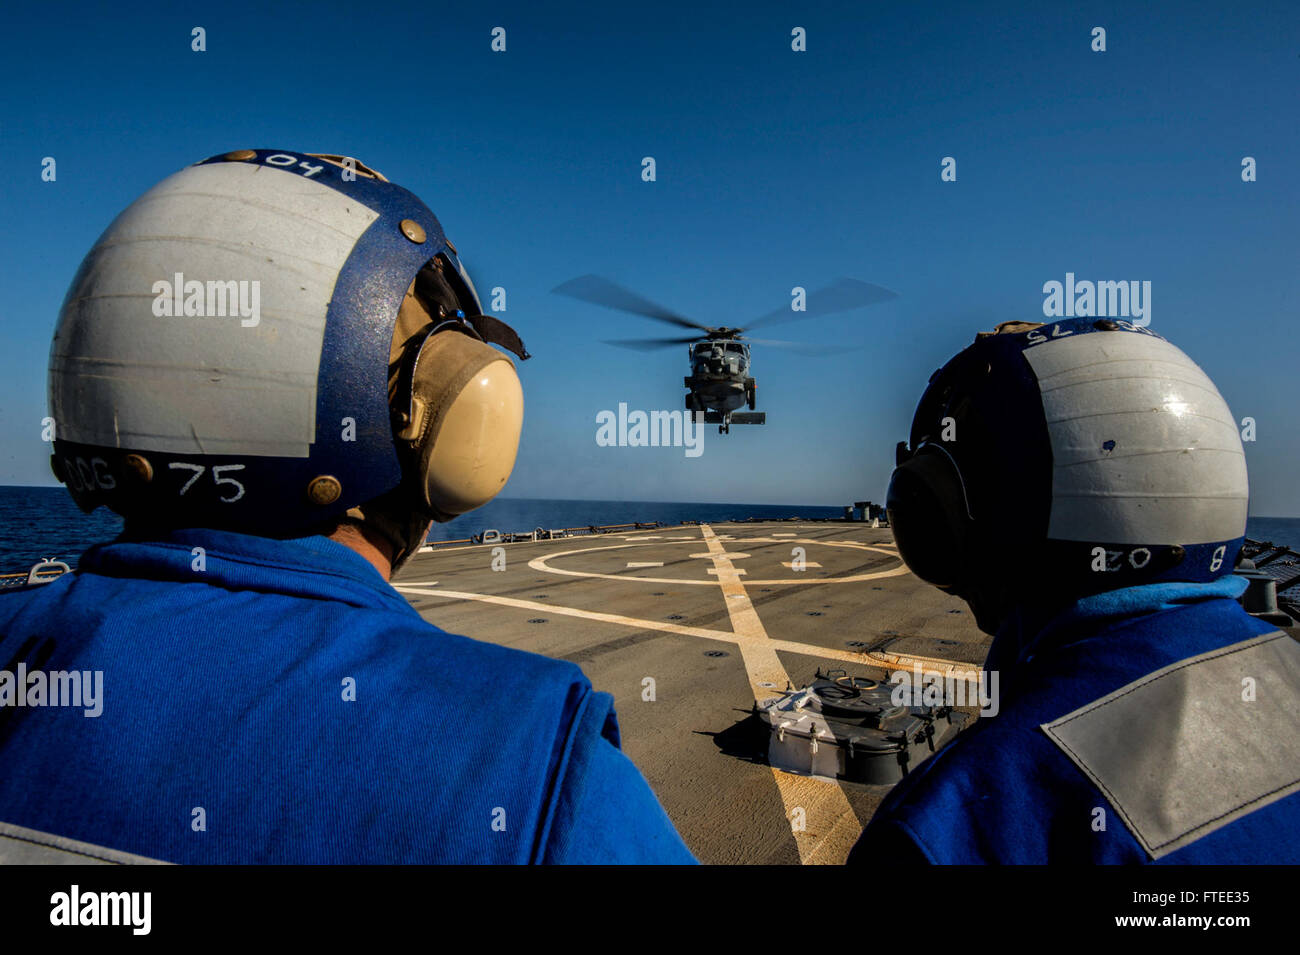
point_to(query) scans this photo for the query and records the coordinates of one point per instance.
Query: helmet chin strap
(399, 522)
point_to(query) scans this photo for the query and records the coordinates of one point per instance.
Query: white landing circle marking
(543, 564)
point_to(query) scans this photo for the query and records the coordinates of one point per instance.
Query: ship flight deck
(687, 626)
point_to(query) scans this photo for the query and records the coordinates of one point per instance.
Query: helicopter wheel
(752, 398)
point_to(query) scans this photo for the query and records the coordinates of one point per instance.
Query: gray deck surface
(720, 622)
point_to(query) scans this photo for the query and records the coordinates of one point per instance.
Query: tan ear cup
(467, 410)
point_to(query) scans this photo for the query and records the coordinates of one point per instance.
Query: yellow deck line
(826, 812)
(832, 826)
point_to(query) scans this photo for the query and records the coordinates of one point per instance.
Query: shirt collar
(314, 566)
(1030, 630)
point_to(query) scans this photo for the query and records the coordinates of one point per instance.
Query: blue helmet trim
(368, 293)
(353, 440)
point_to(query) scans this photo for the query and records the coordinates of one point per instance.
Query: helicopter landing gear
(751, 393)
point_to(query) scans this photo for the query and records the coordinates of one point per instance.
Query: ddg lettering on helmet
(367, 382)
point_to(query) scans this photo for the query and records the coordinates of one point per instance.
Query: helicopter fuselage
(719, 379)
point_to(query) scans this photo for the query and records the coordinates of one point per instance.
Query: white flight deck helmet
(1047, 463)
(268, 341)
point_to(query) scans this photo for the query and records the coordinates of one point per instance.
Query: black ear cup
(928, 513)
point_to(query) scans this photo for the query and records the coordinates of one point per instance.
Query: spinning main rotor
(842, 296)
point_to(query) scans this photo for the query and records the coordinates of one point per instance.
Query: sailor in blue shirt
(1082, 486)
(252, 689)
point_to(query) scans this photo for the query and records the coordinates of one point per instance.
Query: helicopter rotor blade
(600, 291)
(651, 344)
(844, 295)
(803, 348)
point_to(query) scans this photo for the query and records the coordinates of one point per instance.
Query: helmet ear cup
(463, 431)
(928, 513)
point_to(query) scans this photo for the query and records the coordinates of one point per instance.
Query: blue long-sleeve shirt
(1007, 792)
(273, 701)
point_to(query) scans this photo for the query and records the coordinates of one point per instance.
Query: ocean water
(42, 522)
(1283, 531)
(521, 515)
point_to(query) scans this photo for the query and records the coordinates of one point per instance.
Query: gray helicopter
(720, 382)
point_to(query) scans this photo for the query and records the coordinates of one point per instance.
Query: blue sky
(775, 169)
